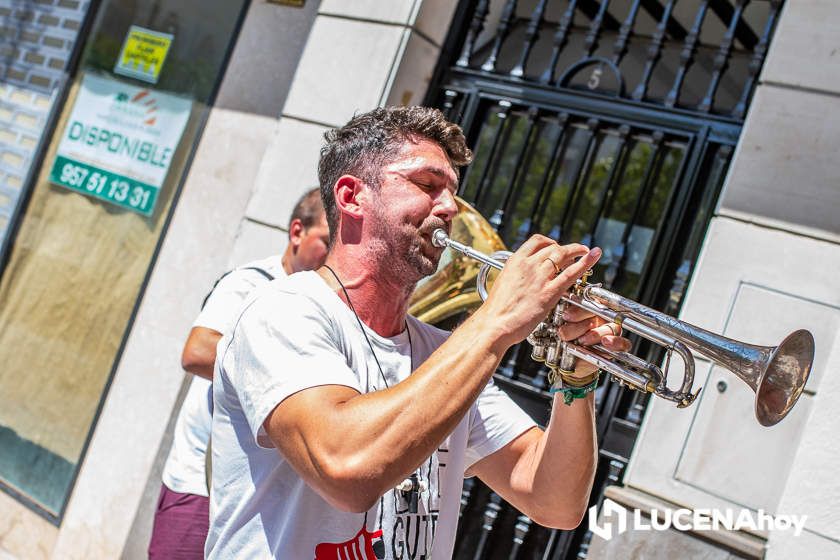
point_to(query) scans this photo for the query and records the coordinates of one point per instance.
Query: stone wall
(768, 266)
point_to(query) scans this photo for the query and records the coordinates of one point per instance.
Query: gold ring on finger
(557, 269)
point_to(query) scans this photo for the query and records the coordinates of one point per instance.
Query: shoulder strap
(268, 276)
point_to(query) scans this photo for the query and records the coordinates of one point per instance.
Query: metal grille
(577, 178)
(700, 55)
(634, 182)
(36, 43)
(607, 122)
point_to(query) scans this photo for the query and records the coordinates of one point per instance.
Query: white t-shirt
(184, 470)
(295, 333)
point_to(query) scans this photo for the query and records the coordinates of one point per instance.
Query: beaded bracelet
(571, 393)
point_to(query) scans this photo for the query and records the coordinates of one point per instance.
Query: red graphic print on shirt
(360, 547)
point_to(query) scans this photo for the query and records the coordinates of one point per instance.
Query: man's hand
(587, 329)
(532, 282)
(527, 470)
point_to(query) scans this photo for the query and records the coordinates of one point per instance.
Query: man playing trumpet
(341, 423)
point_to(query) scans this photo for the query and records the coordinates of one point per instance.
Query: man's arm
(356, 447)
(351, 448)
(220, 310)
(199, 353)
(548, 475)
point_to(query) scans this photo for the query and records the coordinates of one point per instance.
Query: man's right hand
(529, 286)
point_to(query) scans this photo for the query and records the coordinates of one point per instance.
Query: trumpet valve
(567, 360)
(581, 284)
(538, 353)
(552, 356)
(557, 314)
(542, 334)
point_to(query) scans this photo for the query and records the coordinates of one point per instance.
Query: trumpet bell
(783, 380)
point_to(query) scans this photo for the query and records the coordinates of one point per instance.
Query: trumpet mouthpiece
(439, 238)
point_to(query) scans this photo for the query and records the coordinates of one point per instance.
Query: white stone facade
(768, 266)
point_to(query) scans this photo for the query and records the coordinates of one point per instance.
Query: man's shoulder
(287, 297)
(285, 309)
(232, 289)
(242, 279)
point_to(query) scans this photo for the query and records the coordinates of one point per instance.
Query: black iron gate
(607, 122)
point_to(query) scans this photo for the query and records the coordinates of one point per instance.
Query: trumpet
(777, 374)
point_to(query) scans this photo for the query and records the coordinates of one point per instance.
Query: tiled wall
(23, 116)
(36, 42)
(38, 39)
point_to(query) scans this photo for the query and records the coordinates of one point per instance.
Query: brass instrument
(452, 289)
(776, 374)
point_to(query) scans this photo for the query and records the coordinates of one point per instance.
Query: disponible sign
(119, 141)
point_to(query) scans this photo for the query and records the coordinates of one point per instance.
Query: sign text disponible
(121, 144)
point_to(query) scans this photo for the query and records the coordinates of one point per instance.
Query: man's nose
(446, 206)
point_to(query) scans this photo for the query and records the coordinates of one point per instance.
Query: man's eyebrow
(443, 173)
(434, 170)
(437, 171)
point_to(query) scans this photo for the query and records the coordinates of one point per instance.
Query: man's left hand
(587, 329)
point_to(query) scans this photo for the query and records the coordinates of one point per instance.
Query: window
(92, 226)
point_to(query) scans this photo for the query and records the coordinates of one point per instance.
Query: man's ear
(296, 230)
(347, 191)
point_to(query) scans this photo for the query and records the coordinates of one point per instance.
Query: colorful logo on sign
(142, 104)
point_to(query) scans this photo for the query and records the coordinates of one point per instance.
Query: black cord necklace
(364, 331)
(412, 486)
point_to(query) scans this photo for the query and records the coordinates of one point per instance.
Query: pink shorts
(180, 527)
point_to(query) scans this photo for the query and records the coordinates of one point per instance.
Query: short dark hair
(308, 208)
(370, 140)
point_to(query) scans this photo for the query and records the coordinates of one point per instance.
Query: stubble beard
(420, 262)
(406, 248)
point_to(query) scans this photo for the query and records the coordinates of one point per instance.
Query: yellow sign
(143, 54)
